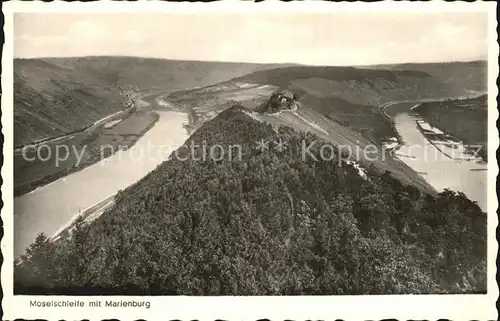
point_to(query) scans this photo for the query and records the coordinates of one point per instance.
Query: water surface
(52, 206)
(441, 171)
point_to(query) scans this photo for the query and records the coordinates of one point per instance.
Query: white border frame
(455, 307)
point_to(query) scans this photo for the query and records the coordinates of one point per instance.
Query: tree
(35, 264)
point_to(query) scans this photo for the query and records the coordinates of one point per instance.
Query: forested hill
(272, 223)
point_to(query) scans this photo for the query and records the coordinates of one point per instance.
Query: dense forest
(271, 223)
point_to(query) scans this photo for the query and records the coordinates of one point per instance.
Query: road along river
(432, 159)
(51, 207)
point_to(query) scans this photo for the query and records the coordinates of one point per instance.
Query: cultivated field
(205, 103)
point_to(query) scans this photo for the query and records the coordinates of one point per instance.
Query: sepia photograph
(231, 153)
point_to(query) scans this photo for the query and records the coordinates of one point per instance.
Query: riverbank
(463, 119)
(56, 206)
(45, 163)
(390, 145)
(448, 145)
(442, 172)
(429, 159)
(84, 217)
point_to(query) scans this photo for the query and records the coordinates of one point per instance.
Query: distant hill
(468, 78)
(56, 96)
(147, 73)
(267, 223)
(347, 95)
(351, 95)
(51, 100)
(379, 84)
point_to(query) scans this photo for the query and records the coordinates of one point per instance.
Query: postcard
(246, 161)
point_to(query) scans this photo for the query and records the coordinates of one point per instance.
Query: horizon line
(255, 63)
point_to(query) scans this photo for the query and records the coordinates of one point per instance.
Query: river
(51, 207)
(441, 171)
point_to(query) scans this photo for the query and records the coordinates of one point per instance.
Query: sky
(308, 38)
